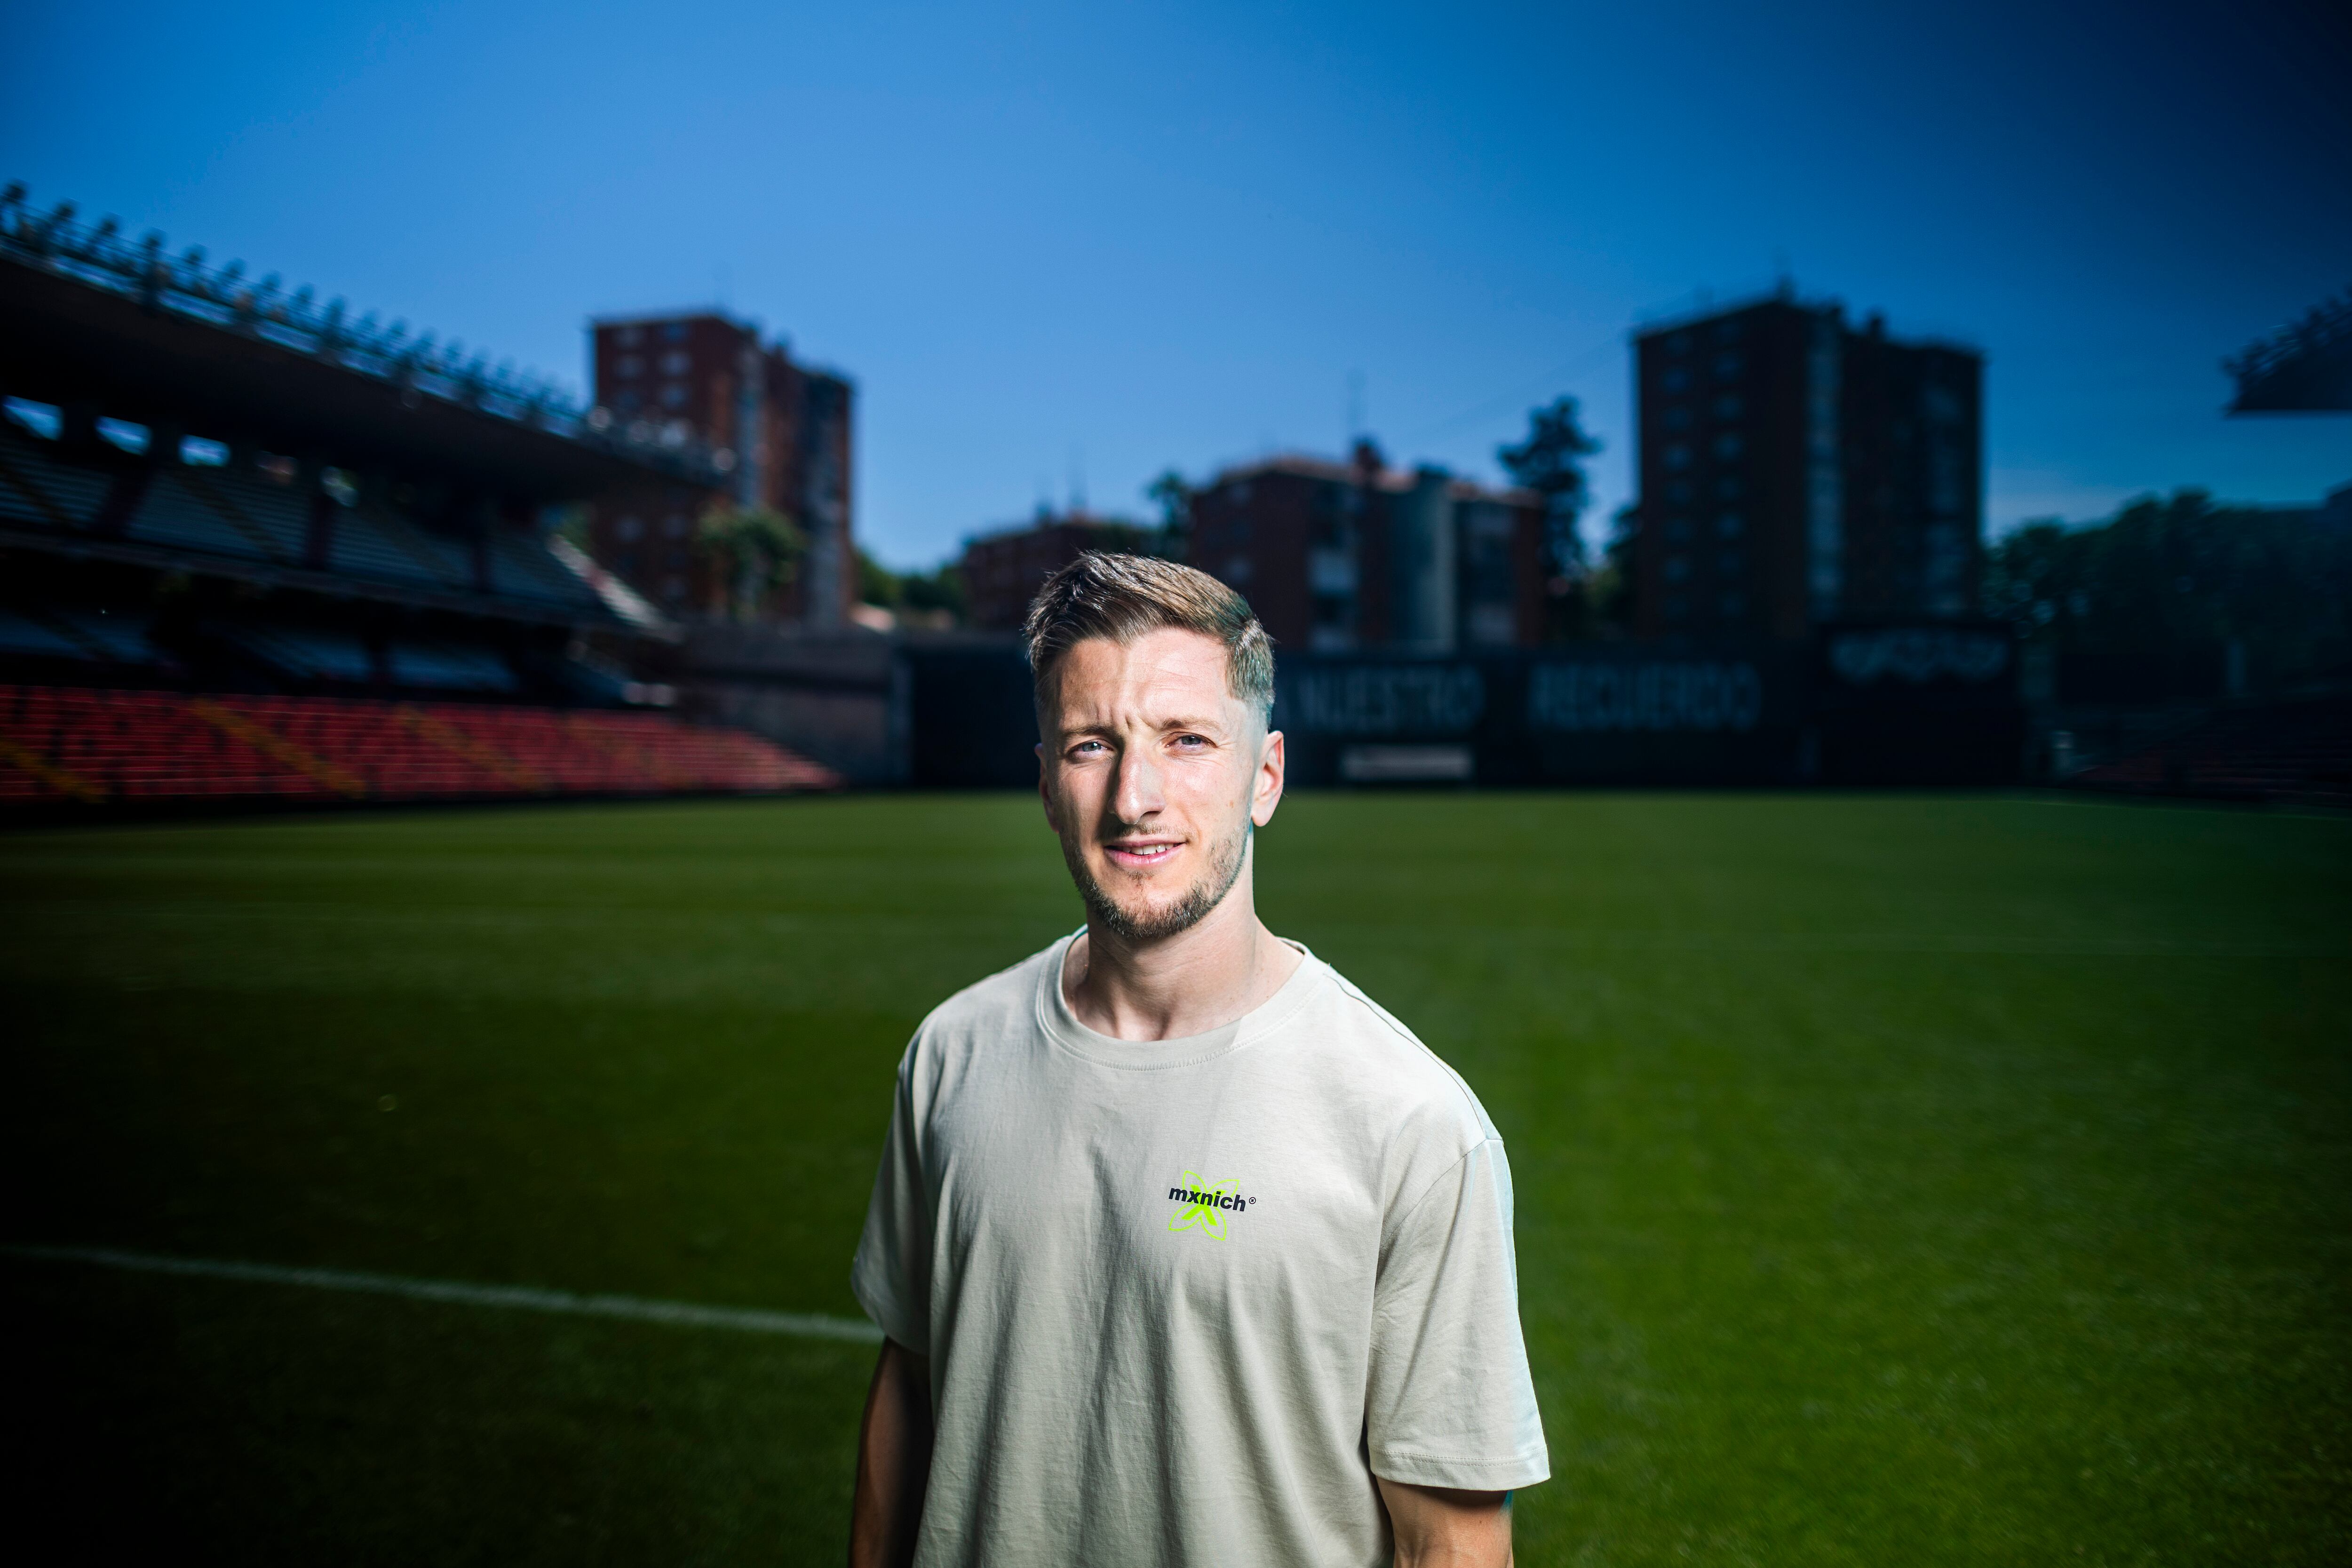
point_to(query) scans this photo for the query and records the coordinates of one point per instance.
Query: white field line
(528, 1298)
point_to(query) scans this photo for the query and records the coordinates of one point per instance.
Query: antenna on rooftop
(1355, 407)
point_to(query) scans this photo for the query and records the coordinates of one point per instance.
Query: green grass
(1901, 1179)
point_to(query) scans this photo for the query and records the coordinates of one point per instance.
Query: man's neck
(1171, 988)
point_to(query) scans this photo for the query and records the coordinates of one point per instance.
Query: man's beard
(1207, 892)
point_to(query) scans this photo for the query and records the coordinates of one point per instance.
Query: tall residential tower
(783, 431)
(1796, 471)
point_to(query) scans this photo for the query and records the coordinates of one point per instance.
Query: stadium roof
(89, 316)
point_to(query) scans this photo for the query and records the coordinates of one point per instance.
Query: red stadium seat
(61, 743)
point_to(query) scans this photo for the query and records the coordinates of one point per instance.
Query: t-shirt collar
(1062, 1025)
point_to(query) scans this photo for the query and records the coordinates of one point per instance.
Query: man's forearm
(1438, 1527)
(894, 1461)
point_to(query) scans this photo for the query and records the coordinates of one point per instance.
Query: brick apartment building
(1002, 570)
(1336, 556)
(782, 429)
(1794, 471)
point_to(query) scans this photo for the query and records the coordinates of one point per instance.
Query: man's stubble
(1207, 892)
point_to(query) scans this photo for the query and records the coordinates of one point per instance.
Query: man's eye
(1193, 742)
(1083, 747)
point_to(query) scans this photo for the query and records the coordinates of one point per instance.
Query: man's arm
(894, 1461)
(1438, 1527)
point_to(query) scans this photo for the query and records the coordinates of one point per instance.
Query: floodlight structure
(2304, 367)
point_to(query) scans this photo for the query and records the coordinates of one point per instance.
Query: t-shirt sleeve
(1450, 1402)
(892, 1273)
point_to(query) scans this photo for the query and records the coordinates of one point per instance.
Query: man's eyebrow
(1208, 728)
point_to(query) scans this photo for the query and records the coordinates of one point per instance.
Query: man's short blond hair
(1124, 596)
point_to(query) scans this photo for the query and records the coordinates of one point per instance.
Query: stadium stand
(448, 668)
(2297, 753)
(63, 745)
(254, 549)
(83, 636)
(305, 654)
(38, 490)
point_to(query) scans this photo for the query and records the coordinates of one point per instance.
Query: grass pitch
(1901, 1179)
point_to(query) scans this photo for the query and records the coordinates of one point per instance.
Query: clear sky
(1072, 245)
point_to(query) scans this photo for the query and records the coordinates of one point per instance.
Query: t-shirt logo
(1206, 1203)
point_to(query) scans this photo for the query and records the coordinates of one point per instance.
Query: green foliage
(756, 553)
(1173, 496)
(2183, 574)
(939, 589)
(1601, 602)
(1551, 462)
(876, 583)
(929, 594)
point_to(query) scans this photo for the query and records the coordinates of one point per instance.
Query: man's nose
(1139, 793)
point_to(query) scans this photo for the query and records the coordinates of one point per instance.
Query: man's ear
(1265, 789)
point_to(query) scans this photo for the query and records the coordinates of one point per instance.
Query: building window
(629, 336)
(628, 366)
(1676, 379)
(673, 395)
(1726, 445)
(1677, 455)
(1727, 406)
(1237, 570)
(627, 401)
(674, 333)
(1727, 366)
(629, 529)
(674, 364)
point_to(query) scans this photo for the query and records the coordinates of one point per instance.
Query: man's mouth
(1138, 853)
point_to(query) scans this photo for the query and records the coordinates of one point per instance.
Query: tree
(2173, 583)
(1173, 497)
(1607, 593)
(876, 583)
(1551, 462)
(755, 552)
(934, 593)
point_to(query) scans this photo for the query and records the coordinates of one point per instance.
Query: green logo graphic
(1206, 1203)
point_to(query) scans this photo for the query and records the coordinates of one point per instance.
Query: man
(1186, 1252)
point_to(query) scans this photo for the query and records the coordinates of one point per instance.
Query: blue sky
(1063, 246)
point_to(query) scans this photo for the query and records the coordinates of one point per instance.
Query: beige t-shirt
(1183, 1299)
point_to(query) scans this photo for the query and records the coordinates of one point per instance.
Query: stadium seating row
(224, 512)
(61, 743)
(2290, 751)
